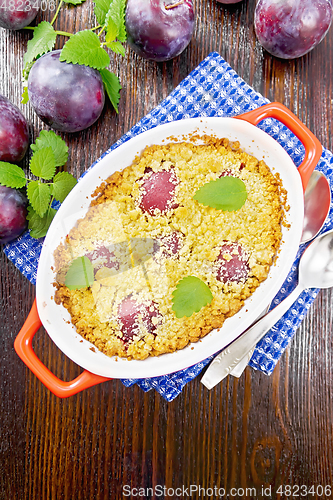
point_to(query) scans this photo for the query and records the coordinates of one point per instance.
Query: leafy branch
(49, 152)
(84, 47)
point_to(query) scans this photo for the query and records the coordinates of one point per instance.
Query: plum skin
(14, 133)
(129, 313)
(67, 97)
(18, 13)
(236, 268)
(158, 192)
(291, 28)
(13, 213)
(159, 30)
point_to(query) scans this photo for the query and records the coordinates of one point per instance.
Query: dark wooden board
(254, 432)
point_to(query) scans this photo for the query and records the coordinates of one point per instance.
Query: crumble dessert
(144, 232)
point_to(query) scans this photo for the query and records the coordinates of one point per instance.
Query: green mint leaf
(115, 21)
(120, 9)
(74, 2)
(116, 47)
(11, 175)
(39, 195)
(43, 41)
(39, 225)
(63, 183)
(47, 138)
(80, 274)
(42, 163)
(25, 76)
(190, 295)
(25, 96)
(26, 71)
(226, 193)
(112, 87)
(111, 32)
(85, 48)
(101, 8)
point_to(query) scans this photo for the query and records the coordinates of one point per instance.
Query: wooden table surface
(255, 432)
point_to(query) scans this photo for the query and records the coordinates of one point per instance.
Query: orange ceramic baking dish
(97, 366)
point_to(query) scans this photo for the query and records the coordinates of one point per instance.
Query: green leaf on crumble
(226, 193)
(39, 195)
(190, 295)
(85, 48)
(11, 175)
(80, 274)
(47, 138)
(43, 41)
(62, 184)
(42, 163)
(112, 87)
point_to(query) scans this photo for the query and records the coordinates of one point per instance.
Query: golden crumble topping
(144, 232)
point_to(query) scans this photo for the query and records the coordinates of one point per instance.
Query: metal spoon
(315, 271)
(317, 201)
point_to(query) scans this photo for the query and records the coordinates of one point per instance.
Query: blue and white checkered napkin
(212, 89)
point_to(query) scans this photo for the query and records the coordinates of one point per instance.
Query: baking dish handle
(313, 148)
(23, 347)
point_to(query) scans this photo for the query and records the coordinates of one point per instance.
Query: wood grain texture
(254, 432)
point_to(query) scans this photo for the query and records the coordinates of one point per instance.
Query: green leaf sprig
(85, 47)
(226, 193)
(189, 296)
(49, 152)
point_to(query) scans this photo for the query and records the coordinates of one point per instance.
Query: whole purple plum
(291, 28)
(67, 97)
(16, 14)
(159, 30)
(14, 134)
(13, 212)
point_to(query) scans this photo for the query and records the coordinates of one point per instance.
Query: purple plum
(13, 213)
(67, 97)
(291, 28)
(14, 134)
(16, 14)
(159, 29)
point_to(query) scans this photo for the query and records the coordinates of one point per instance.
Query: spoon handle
(240, 367)
(224, 363)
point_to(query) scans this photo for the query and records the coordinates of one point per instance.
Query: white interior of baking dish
(55, 318)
